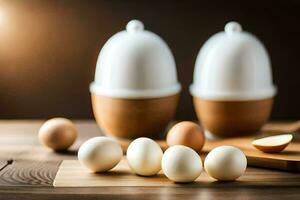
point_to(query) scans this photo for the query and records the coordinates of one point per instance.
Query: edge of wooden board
(123, 177)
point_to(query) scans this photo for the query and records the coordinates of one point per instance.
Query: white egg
(144, 156)
(181, 164)
(100, 154)
(225, 163)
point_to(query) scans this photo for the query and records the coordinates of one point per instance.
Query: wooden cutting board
(288, 159)
(72, 174)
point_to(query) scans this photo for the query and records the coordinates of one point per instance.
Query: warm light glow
(2, 16)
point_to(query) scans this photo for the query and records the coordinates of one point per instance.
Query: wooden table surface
(27, 171)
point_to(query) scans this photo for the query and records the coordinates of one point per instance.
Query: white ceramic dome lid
(233, 65)
(135, 63)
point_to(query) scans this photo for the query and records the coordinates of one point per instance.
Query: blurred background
(49, 48)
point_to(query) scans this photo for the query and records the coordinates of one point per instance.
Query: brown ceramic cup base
(233, 118)
(133, 118)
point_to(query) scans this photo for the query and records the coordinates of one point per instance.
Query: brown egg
(58, 134)
(186, 133)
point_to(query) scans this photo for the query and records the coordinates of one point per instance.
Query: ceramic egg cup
(135, 92)
(232, 89)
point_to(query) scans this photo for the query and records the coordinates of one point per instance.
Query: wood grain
(72, 174)
(5, 163)
(25, 172)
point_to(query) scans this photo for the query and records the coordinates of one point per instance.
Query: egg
(57, 134)
(144, 156)
(181, 164)
(188, 134)
(100, 154)
(225, 163)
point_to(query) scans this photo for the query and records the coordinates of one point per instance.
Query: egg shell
(100, 154)
(188, 134)
(181, 164)
(144, 156)
(273, 144)
(57, 134)
(225, 163)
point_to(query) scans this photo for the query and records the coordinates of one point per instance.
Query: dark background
(49, 48)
